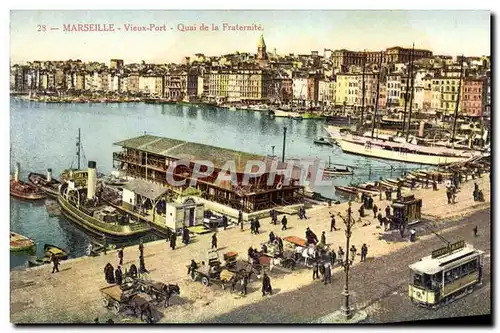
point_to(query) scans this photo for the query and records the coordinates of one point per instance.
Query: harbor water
(43, 135)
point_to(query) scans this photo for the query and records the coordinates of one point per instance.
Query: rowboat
(22, 190)
(323, 141)
(334, 171)
(20, 243)
(50, 250)
(41, 181)
(346, 189)
(35, 262)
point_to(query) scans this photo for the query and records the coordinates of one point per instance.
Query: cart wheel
(115, 308)
(105, 302)
(204, 281)
(193, 276)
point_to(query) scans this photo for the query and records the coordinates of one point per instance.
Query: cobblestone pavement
(379, 287)
(72, 296)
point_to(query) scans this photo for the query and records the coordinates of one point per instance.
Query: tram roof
(429, 265)
(191, 151)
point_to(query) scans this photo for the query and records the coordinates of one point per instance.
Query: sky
(443, 32)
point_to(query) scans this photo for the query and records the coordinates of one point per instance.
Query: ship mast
(78, 144)
(363, 93)
(406, 96)
(378, 92)
(412, 78)
(458, 101)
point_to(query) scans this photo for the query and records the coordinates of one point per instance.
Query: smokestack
(49, 175)
(92, 180)
(17, 170)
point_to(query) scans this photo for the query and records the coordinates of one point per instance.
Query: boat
(80, 204)
(334, 171)
(46, 183)
(323, 141)
(312, 115)
(22, 190)
(19, 242)
(35, 261)
(233, 108)
(50, 250)
(97, 248)
(347, 189)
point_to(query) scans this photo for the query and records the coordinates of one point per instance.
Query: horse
(167, 291)
(137, 303)
(309, 253)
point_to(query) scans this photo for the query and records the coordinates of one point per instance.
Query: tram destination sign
(448, 249)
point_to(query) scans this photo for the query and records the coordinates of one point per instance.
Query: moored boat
(50, 250)
(346, 189)
(35, 261)
(323, 141)
(19, 242)
(46, 183)
(22, 190)
(337, 172)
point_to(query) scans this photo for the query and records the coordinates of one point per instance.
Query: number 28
(41, 27)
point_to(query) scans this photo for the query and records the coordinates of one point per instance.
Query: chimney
(17, 170)
(49, 175)
(91, 180)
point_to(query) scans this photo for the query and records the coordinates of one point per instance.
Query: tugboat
(47, 184)
(80, 204)
(22, 190)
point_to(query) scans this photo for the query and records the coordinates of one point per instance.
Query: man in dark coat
(379, 216)
(244, 283)
(142, 265)
(316, 270)
(256, 225)
(266, 285)
(323, 238)
(105, 244)
(119, 276)
(362, 211)
(168, 235)
(192, 268)
(173, 240)
(375, 210)
(109, 273)
(475, 231)
(284, 222)
(332, 223)
(333, 257)
(280, 244)
(387, 211)
(271, 237)
(364, 252)
(327, 276)
(141, 249)
(252, 226)
(240, 218)
(55, 262)
(185, 235)
(214, 241)
(120, 256)
(224, 221)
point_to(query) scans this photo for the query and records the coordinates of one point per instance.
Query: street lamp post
(346, 263)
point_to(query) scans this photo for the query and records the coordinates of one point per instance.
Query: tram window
(422, 280)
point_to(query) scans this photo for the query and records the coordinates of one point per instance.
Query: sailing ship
(393, 149)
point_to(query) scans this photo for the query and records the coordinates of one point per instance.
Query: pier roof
(146, 189)
(185, 150)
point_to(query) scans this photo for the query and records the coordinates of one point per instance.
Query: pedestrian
(402, 230)
(426, 182)
(379, 217)
(434, 186)
(141, 248)
(475, 231)
(332, 223)
(55, 262)
(252, 226)
(387, 211)
(340, 255)
(333, 257)
(142, 265)
(316, 270)
(244, 283)
(448, 195)
(364, 252)
(266, 285)
(185, 235)
(192, 269)
(224, 221)
(168, 235)
(89, 249)
(327, 276)
(214, 241)
(256, 226)
(353, 251)
(284, 222)
(120, 256)
(375, 210)
(118, 276)
(271, 237)
(323, 238)
(173, 240)
(105, 244)
(362, 211)
(453, 194)
(412, 235)
(304, 213)
(370, 202)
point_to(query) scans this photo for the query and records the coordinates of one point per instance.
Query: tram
(447, 274)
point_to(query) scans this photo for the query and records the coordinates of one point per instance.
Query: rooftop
(185, 150)
(146, 189)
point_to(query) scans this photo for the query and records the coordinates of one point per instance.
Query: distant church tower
(261, 49)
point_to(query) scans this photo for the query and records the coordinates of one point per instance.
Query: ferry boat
(46, 183)
(80, 204)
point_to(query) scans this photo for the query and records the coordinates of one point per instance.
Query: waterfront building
(113, 82)
(151, 85)
(370, 91)
(474, 94)
(399, 54)
(104, 80)
(239, 85)
(116, 64)
(427, 83)
(448, 89)
(326, 91)
(132, 83)
(149, 157)
(394, 82)
(300, 87)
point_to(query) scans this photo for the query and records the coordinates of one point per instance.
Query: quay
(72, 295)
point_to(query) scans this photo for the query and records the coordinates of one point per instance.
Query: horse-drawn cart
(215, 272)
(158, 291)
(117, 300)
